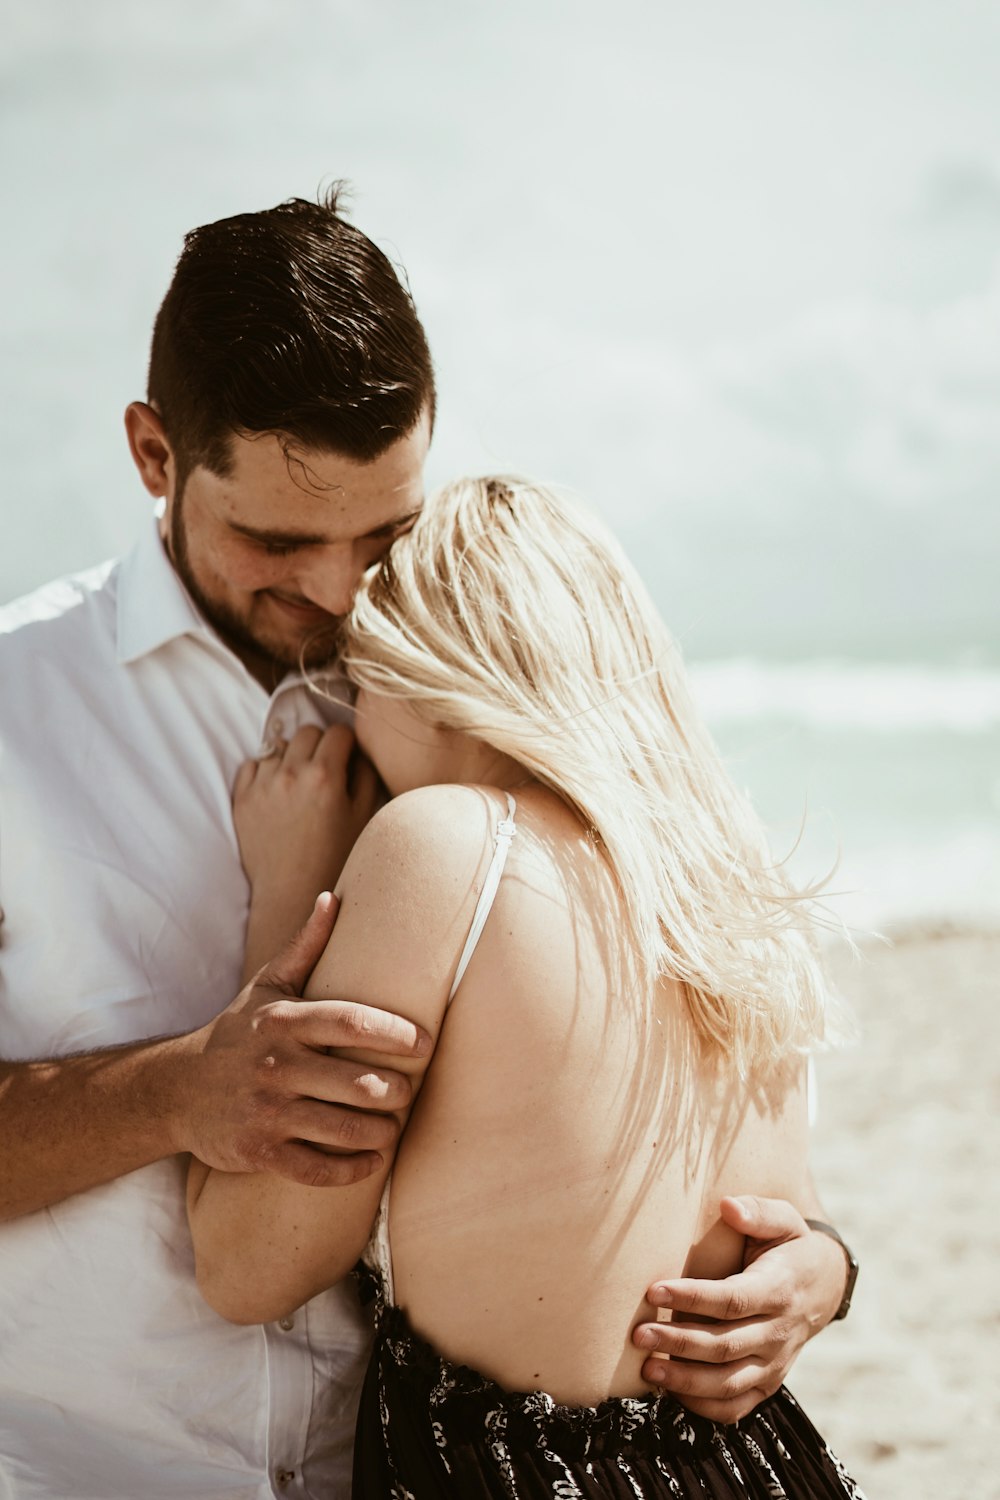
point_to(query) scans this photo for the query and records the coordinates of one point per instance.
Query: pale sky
(733, 272)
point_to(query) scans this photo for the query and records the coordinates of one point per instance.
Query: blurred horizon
(731, 274)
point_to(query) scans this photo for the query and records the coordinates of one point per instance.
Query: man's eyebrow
(274, 536)
(396, 524)
(279, 538)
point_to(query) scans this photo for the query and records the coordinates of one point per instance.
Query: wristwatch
(852, 1266)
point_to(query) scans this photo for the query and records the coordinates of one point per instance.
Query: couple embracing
(526, 1093)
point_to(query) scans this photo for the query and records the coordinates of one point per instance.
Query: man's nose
(330, 579)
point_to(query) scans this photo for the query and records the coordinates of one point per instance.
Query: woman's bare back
(571, 1140)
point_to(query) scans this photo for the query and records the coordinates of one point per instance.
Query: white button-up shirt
(123, 720)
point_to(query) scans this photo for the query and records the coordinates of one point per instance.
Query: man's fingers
(338, 1080)
(338, 1128)
(703, 1381)
(727, 1411)
(762, 1218)
(728, 1300)
(290, 969)
(340, 1023)
(301, 1163)
(709, 1343)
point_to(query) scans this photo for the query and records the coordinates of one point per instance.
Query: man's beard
(314, 653)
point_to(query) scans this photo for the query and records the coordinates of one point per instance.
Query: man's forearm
(71, 1123)
(255, 1089)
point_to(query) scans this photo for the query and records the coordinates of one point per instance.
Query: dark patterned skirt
(428, 1429)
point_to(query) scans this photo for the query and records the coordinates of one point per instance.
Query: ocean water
(885, 776)
(731, 274)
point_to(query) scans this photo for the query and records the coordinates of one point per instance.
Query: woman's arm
(298, 813)
(263, 1245)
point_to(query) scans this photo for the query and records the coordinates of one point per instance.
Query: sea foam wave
(877, 697)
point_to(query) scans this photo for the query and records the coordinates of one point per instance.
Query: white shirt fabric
(123, 720)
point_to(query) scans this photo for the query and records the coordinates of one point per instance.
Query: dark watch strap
(852, 1266)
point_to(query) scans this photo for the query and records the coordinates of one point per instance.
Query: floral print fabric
(429, 1429)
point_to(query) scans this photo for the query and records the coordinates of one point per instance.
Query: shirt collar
(154, 607)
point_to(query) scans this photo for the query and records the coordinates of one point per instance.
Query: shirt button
(286, 1324)
(276, 729)
(283, 1477)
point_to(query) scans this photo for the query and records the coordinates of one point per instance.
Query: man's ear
(150, 449)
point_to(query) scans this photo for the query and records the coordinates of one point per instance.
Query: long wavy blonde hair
(511, 615)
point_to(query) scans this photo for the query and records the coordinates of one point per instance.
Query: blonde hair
(511, 616)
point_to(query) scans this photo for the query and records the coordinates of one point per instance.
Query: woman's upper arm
(264, 1245)
(407, 898)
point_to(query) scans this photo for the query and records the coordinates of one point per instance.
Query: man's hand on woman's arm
(791, 1285)
(248, 1091)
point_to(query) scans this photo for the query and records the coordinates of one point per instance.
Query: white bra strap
(505, 831)
(379, 1252)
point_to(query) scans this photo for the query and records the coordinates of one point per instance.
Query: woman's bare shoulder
(428, 825)
(417, 865)
(435, 843)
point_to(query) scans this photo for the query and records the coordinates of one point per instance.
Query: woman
(570, 896)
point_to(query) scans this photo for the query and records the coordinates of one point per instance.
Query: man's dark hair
(289, 321)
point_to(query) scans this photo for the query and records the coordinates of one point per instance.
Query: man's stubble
(315, 653)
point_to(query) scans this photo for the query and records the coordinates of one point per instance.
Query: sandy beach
(906, 1150)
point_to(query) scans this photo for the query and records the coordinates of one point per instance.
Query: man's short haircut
(289, 321)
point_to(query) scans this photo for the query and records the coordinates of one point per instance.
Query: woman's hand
(298, 813)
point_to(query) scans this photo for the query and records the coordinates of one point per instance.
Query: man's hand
(791, 1285)
(252, 1089)
(260, 1093)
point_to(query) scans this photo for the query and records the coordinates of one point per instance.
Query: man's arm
(791, 1285)
(252, 1090)
(264, 1246)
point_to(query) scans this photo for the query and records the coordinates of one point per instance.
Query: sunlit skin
(273, 551)
(407, 752)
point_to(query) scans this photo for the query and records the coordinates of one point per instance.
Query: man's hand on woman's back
(791, 1285)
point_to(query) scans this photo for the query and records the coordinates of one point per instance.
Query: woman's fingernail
(660, 1297)
(656, 1372)
(647, 1339)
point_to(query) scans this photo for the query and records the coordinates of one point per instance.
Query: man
(291, 398)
